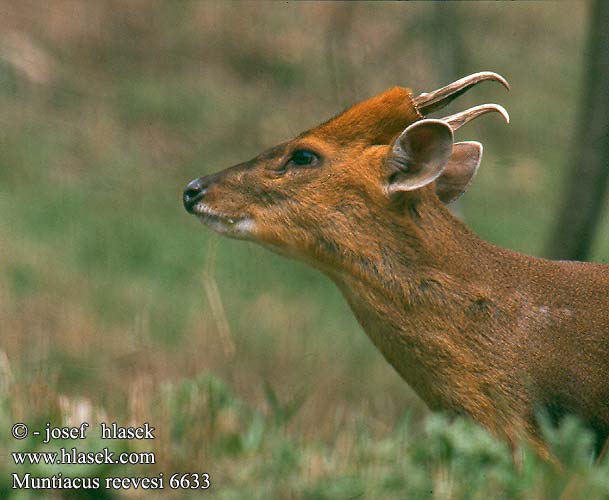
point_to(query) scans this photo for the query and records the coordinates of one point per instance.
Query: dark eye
(303, 158)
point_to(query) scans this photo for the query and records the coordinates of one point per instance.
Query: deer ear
(419, 155)
(459, 171)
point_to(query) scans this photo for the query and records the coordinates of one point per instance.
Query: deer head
(330, 193)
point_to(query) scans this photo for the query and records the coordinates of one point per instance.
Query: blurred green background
(116, 305)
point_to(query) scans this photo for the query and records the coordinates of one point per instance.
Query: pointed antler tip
(503, 112)
(491, 75)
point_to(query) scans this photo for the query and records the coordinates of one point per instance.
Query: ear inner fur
(418, 156)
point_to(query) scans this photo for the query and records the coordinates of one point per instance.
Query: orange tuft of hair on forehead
(375, 121)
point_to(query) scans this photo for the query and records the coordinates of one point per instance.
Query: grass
(260, 454)
(116, 306)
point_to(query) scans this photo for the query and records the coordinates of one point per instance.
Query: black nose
(194, 193)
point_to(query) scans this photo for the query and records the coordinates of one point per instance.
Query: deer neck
(416, 299)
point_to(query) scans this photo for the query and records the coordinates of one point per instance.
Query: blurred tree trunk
(338, 57)
(589, 161)
(449, 50)
(450, 57)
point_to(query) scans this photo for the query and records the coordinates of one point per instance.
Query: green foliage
(249, 456)
(282, 412)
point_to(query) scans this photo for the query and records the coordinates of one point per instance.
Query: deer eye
(303, 158)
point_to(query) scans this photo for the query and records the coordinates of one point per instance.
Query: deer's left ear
(419, 155)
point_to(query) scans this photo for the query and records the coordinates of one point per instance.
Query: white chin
(234, 227)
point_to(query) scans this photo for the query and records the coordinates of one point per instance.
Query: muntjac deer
(473, 328)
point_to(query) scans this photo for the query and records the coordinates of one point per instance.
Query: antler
(429, 102)
(457, 120)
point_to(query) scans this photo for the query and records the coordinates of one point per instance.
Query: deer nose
(194, 193)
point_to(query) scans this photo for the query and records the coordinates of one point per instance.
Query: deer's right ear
(460, 170)
(419, 155)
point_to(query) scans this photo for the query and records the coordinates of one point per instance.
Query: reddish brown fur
(471, 327)
(375, 121)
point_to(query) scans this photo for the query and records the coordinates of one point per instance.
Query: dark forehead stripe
(275, 152)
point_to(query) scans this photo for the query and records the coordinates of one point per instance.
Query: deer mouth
(229, 225)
